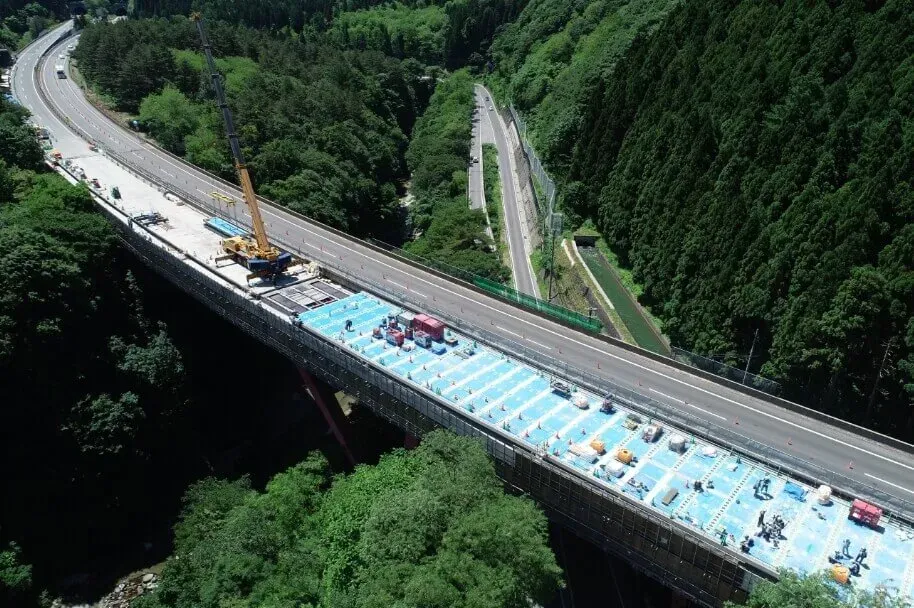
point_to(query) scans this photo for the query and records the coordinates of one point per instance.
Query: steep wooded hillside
(549, 61)
(752, 162)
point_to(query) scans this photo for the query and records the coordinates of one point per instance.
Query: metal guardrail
(727, 371)
(672, 362)
(502, 291)
(721, 436)
(715, 434)
(692, 569)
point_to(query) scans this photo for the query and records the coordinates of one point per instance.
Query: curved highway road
(887, 469)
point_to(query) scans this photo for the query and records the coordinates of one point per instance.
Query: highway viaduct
(807, 443)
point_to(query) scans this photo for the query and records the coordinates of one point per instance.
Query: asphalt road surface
(887, 469)
(521, 268)
(482, 134)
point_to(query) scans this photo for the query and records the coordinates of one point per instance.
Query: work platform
(674, 542)
(521, 401)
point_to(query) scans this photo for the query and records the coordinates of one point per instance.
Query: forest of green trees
(21, 22)
(431, 527)
(452, 233)
(325, 121)
(548, 61)
(323, 129)
(452, 32)
(91, 385)
(814, 591)
(751, 163)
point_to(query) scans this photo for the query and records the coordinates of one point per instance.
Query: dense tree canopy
(89, 383)
(452, 32)
(815, 591)
(438, 156)
(324, 129)
(21, 21)
(549, 60)
(427, 528)
(750, 162)
(15, 577)
(397, 30)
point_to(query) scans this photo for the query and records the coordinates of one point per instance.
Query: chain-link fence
(546, 205)
(500, 290)
(765, 456)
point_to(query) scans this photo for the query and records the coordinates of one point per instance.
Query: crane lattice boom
(262, 248)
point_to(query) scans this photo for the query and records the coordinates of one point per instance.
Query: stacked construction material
(433, 327)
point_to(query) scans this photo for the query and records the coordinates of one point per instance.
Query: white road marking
(684, 402)
(508, 331)
(894, 485)
(558, 335)
(603, 352)
(540, 344)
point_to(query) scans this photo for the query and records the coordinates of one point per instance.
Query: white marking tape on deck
(540, 344)
(307, 230)
(508, 331)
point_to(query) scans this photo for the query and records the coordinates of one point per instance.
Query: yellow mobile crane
(257, 254)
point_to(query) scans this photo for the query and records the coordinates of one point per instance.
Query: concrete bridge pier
(325, 397)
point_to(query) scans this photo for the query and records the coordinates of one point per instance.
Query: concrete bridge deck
(516, 382)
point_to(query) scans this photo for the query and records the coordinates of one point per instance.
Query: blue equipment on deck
(225, 228)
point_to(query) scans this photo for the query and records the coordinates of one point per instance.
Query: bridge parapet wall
(661, 548)
(194, 199)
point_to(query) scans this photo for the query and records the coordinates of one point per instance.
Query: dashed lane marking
(684, 402)
(601, 351)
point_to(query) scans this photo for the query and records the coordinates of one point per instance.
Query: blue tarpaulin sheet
(795, 491)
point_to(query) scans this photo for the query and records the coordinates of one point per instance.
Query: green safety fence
(500, 290)
(568, 316)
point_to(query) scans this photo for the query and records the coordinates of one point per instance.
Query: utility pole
(871, 402)
(749, 360)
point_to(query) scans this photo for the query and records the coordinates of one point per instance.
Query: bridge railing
(716, 434)
(565, 315)
(725, 437)
(777, 461)
(727, 371)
